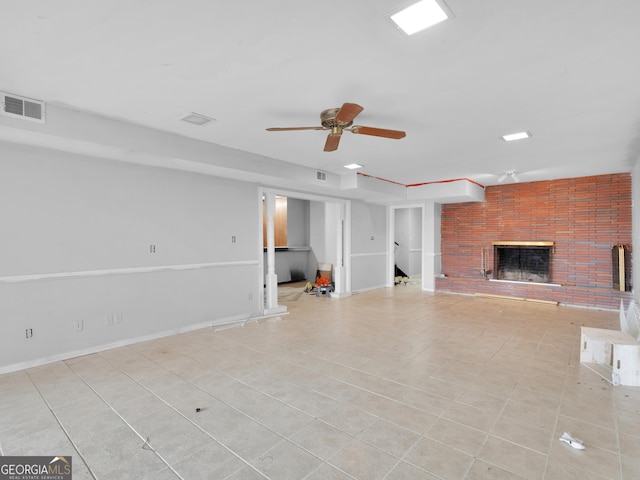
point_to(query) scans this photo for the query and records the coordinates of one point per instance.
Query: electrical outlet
(250, 296)
(152, 249)
(108, 320)
(29, 333)
(78, 325)
(233, 239)
(119, 317)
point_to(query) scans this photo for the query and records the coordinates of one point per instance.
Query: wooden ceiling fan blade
(285, 129)
(333, 140)
(378, 132)
(348, 112)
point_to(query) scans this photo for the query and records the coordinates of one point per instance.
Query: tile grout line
(420, 435)
(131, 427)
(242, 382)
(558, 410)
(279, 401)
(489, 434)
(618, 442)
(180, 413)
(59, 422)
(402, 459)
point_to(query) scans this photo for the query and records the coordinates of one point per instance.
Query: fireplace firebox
(523, 261)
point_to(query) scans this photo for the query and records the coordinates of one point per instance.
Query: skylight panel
(419, 16)
(516, 136)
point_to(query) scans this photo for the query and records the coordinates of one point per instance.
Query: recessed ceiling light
(197, 119)
(353, 166)
(419, 16)
(516, 136)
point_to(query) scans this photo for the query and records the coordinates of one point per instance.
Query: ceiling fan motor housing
(328, 119)
(340, 119)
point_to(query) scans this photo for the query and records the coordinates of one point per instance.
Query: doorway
(407, 244)
(316, 232)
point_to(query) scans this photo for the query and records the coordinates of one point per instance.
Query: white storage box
(612, 354)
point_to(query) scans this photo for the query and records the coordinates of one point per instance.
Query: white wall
(368, 246)
(76, 248)
(431, 245)
(415, 241)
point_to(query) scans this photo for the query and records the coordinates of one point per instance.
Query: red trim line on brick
(446, 181)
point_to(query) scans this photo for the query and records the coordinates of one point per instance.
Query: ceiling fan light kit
(340, 119)
(512, 175)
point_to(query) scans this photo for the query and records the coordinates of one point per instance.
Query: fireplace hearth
(523, 261)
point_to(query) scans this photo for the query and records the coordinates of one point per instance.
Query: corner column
(431, 255)
(271, 279)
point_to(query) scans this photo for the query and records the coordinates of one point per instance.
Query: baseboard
(120, 343)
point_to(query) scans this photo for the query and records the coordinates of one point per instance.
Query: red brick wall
(584, 216)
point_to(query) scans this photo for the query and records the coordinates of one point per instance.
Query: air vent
(321, 176)
(22, 107)
(197, 119)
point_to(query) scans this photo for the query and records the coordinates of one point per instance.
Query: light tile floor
(389, 384)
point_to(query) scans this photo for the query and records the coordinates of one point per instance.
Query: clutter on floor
(572, 441)
(613, 354)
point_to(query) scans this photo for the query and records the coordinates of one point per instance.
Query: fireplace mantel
(523, 244)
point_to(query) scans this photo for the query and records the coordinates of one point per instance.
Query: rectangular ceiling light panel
(419, 16)
(516, 136)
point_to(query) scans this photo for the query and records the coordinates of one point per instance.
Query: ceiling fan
(340, 119)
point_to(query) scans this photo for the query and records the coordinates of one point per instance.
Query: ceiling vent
(321, 176)
(22, 107)
(197, 119)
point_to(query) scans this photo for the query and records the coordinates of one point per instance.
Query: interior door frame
(391, 232)
(342, 237)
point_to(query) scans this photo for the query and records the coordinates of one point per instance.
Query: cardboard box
(325, 270)
(612, 354)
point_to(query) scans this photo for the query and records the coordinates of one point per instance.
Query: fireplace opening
(523, 262)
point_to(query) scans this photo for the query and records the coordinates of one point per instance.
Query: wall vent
(321, 176)
(22, 107)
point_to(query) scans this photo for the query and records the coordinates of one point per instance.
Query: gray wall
(368, 246)
(297, 222)
(317, 240)
(75, 250)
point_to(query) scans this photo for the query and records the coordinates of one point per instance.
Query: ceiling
(566, 71)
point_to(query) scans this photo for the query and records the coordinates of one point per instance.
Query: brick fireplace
(578, 219)
(522, 261)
